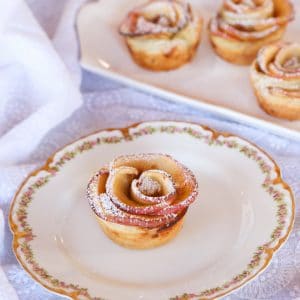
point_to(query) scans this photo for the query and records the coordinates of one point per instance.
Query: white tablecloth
(31, 132)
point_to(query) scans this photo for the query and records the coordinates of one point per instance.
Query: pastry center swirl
(153, 186)
(292, 63)
(149, 187)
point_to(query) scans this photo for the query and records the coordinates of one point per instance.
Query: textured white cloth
(6, 289)
(39, 91)
(32, 78)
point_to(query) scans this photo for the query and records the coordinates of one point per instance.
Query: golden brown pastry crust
(279, 107)
(239, 43)
(134, 237)
(163, 51)
(241, 53)
(276, 86)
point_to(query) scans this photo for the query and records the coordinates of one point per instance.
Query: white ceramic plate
(243, 214)
(216, 85)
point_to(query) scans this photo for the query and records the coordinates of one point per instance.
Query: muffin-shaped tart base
(135, 237)
(241, 52)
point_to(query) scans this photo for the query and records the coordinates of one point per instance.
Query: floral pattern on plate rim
(210, 138)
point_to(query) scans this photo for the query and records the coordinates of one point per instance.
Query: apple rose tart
(162, 35)
(242, 27)
(275, 76)
(140, 200)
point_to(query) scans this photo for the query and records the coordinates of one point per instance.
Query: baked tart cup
(242, 27)
(275, 77)
(162, 35)
(140, 200)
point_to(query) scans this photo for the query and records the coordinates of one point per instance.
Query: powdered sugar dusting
(150, 187)
(249, 20)
(148, 216)
(292, 63)
(156, 17)
(277, 73)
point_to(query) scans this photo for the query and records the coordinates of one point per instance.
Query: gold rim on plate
(74, 291)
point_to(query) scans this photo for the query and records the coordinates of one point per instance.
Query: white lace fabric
(108, 104)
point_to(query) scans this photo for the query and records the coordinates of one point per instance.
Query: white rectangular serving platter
(207, 82)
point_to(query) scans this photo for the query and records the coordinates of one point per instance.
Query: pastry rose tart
(275, 76)
(162, 34)
(140, 200)
(242, 27)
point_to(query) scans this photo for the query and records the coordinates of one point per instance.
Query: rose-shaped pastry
(275, 76)
(242, 27)
(140, 200)
(162, 34)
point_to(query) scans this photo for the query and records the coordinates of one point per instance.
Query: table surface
(109, 104)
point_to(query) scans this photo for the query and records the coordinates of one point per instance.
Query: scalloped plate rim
(125, 131)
